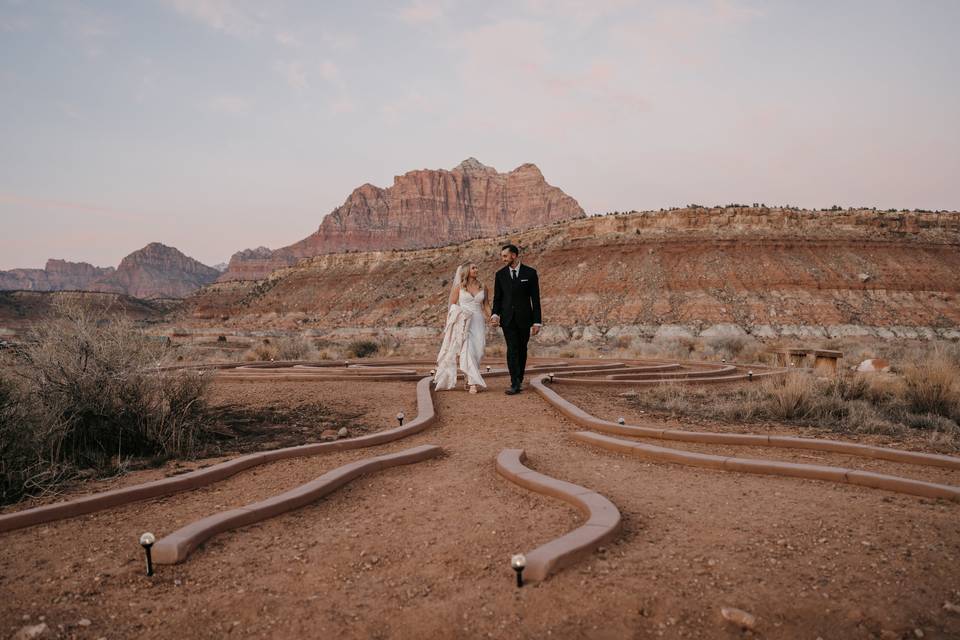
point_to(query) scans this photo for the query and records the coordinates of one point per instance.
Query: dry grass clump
(296, 347)
(85, 392)
(925, 399)
(731, 348)
(933, 387)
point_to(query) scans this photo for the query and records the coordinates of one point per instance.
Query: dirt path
(423, 551)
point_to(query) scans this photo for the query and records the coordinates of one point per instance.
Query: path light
(723, 360)
(146, 541)
(750, 375)
(518, 562)
(620, 420)
(433, 372)
(400, 417)
(488, 368)
(550, 378)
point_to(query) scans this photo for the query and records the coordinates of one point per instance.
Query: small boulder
(31, 631)
(743, 619)
(328, 434)
(343, 433)
(873, 365)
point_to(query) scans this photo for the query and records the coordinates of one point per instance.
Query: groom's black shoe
(512, 391)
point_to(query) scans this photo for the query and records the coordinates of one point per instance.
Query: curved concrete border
(426, 416)
(602, 525)
(772, 467)
(175, 548)
(584, 419)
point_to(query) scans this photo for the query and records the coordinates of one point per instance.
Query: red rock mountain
(57, 275)
(684, 272)
(156, 271)
(423, 208)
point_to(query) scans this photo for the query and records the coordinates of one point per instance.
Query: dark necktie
(513, 274)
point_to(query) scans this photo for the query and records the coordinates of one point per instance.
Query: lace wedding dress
(464, 338)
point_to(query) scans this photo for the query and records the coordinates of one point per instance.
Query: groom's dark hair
(512, 248)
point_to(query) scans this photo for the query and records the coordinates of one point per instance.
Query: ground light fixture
(518, 562)
(750, 375)
(488, 368)
(550, 378)
(400, 418)
(146, 541)
(620, 420)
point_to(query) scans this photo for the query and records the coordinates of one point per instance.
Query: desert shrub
(678, 347)
(362, 348)
(792, 396)
(933, 387)
(739, 348)
(294, 348)
(18, 460)
(88, 392)
(263, 351)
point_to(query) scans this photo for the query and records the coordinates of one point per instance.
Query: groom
(516, 310)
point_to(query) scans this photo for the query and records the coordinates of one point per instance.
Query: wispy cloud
(14, 24)
(99, 210)
(293, 72)
(339, 40)
(287, 39)
(411, 103)
(342, 106)
(231, 105)
(329, 71)
(229, 16)
(423, 11)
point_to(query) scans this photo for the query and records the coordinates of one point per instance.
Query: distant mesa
(423, 208)
(155, 271)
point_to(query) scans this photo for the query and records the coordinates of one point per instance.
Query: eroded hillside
(768, 271)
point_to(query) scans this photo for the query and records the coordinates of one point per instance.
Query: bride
(465, 335)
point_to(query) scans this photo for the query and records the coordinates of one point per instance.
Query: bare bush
(362, 348)
(90, 392)
(264, 351)
(295, 347)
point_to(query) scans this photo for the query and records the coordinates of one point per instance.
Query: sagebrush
(87, 392)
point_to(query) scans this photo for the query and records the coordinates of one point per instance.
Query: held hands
(494, 320)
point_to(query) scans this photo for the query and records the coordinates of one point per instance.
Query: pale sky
(217, 125)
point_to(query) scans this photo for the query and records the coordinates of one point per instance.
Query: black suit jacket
(517, 301)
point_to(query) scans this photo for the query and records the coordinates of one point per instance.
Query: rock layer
(768, 271)
(424, 208)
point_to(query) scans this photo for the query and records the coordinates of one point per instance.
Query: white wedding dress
(464, 338)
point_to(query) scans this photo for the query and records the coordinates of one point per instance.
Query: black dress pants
(517, 338)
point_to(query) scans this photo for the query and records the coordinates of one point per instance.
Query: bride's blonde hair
(465, 275)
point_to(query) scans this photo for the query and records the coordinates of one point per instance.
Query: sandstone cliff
(768, 271)
(57, 275)
(156, 271)
(424, 208)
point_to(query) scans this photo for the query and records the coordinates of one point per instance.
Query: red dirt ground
(423, 551)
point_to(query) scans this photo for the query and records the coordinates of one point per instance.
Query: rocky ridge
(155, 271)
(766, 272)
(423, 208)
